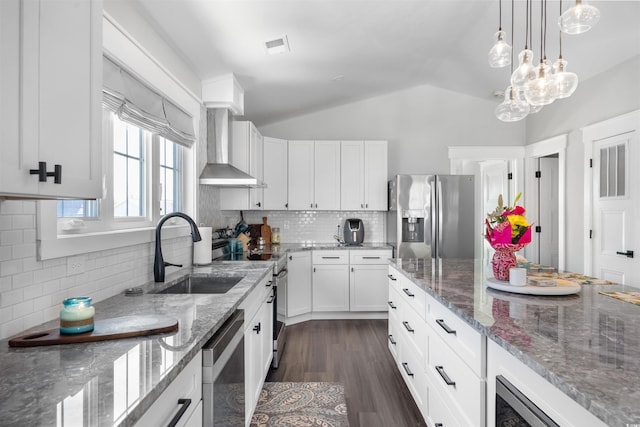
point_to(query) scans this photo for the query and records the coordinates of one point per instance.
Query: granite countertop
(587, 345)
(114, 382)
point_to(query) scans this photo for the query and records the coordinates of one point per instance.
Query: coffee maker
(353, 232)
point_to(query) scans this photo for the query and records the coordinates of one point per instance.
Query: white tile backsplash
(31, 291)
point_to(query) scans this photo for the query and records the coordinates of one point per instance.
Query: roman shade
(134, 102)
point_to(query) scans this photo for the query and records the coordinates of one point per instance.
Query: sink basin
(203, 285)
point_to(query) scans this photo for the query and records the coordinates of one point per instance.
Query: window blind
(134, 102)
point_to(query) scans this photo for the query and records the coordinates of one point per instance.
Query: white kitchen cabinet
(330, 281)
(298, 293)
(368, 282)
(187, 385)
(363, 175)
(246, 154)
(314, 175)
(275, 174)
(51, 98)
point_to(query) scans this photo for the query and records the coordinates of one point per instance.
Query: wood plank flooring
(354, 353)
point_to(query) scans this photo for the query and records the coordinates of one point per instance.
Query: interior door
(548, 215)
(494, 175)
(616, 194)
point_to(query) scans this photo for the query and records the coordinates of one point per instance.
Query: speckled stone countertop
(587, 345)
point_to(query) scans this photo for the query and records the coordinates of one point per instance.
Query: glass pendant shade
(579, 18)
(512, 108)
(567, 82)
(500, 53)
(542, 90)
(525, 71)
(532, 108)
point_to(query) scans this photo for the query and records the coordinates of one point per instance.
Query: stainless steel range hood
(218, 171)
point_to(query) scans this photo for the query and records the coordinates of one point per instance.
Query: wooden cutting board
(265, 231)
(106, 329)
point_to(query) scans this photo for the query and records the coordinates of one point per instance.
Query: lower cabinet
(184, 391)
(330, 281)
(298, 292)
(368, 283)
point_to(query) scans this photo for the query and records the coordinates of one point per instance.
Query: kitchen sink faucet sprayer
(158, 263)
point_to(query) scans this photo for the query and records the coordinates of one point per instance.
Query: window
(140, 161)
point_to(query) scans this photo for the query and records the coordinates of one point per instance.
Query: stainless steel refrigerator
(431, 216)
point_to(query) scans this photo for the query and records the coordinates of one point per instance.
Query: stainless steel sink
(203, 285)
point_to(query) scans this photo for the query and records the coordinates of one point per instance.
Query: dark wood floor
(355, 354)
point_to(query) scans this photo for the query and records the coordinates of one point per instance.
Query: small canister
(260, 242)
(76, 315)
(275, 236)
(233, 245)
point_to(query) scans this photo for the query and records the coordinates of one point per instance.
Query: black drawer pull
(391, 277)
(391, 340)
(445, 326)
(185, 405)
(408, 327)
(444, 376)
(408, 292)
(370, 257)
(257, 328)
(439, 425)
(392, 305)
(270, 300)
(330, 257)
(405, 365)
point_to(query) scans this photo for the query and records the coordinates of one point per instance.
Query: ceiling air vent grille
(279, 45)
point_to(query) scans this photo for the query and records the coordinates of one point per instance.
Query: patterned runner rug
(301, 405)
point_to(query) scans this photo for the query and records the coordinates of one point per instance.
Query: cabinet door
(330, 287)
(252, 362)
(275, 173)
(369, 287)
(352, 175)
(299, 284)
(255, 166)
(375, 175)
(301, 175)
(327, 175)
(266, 336)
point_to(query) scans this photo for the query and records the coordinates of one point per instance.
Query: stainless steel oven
(223, 375)
(514, 409)
(279, 290)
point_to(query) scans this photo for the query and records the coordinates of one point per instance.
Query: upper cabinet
(246, 152)
(275, 174)
(314, 175)
(363, 175)
(51, 98)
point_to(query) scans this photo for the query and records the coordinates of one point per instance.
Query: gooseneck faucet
(158, 262)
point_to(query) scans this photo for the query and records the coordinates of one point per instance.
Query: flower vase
(503, 260)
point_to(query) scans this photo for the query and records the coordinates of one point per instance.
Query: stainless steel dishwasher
(223, 375)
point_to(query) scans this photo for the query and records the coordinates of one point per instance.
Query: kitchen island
(584, 345)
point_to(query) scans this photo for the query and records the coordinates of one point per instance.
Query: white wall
(419, 123)
(602, 97)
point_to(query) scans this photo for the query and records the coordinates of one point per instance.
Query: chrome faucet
(158, 263)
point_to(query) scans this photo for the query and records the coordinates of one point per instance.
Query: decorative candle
(77, 315)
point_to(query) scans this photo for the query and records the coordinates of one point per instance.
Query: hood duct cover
(218, 171)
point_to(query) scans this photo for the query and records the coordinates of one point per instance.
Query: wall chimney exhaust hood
(218, 171)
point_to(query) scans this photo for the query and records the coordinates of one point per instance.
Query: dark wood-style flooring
(355, 354)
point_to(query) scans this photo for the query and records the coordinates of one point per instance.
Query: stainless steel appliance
(223, 374)
(353, 232)
(514, 409)
(431, 216)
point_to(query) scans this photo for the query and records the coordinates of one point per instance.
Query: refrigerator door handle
(432, 218)
(440, 219)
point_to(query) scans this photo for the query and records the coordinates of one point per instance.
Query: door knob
(628, 254)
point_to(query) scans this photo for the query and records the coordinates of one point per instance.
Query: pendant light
(542, 90)
(525, 70)
(579, 18)
(513, 108)
(500, 53)
(567, 82)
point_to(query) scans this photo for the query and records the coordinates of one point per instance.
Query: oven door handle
(283, 273)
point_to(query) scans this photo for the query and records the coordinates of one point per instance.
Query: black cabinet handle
(391, 340)
(259, 204)
(290, 258)
(330, 257)
(391, 277)
(407, 326)
(444, 376)
(271, 298)
(445, 326)
(286, 205)
(370, 257)
(257, 328)
(43, 174)
(628, 254)
(185, 405)
(408, 292)
(438, 425)
(269, 283)
(392, 305)
(405, 365)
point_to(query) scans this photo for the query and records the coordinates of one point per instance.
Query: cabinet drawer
(439, 413)
(330, 257)
(410, 292)
(369, 257)
(253, 301)
(393, 337)
(412, 370)
(460, 336)
(456, 382)
(414, 329)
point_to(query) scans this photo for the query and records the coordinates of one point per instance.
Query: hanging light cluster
(534, 86)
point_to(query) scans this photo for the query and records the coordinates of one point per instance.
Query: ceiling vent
(279, 45)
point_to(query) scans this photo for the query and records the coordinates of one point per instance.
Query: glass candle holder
(76, 316)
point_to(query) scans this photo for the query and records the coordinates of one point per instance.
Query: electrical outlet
(75, 265)
(286, 225)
